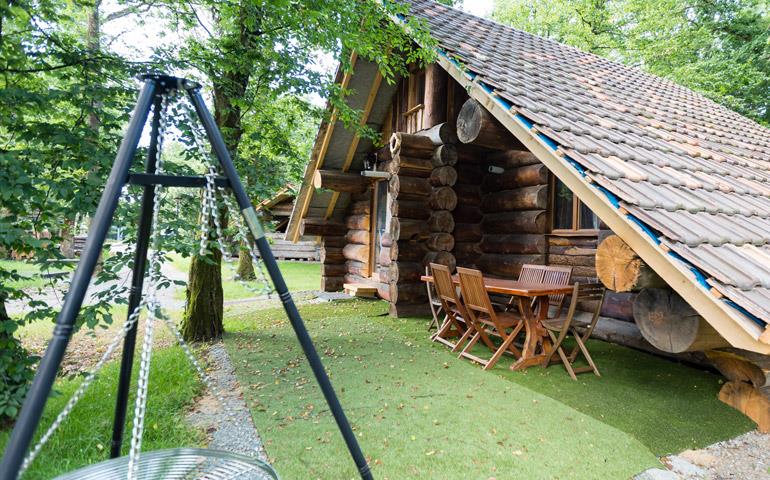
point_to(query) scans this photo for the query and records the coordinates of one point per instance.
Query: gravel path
(746, 457)
(230, 428)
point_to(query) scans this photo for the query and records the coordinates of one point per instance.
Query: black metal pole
(31, 411)
(250, 216)
(137, 283)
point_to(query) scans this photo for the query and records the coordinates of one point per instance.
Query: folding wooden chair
(555, 275)
(529, 273)
(485, 321)
(562, 326)
(434, 303)
(454, 324)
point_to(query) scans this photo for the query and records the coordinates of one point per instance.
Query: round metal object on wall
(179, 463)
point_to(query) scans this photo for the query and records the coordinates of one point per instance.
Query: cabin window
(570, 215)
(380, 223)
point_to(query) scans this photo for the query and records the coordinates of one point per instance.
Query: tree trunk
(202, 319)
(435, 95)
(477, 126)
(245, 269)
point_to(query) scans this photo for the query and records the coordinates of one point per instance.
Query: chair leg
(587, 355)
(563, 356)
(446, 324)
(468, 332)
(500, 351)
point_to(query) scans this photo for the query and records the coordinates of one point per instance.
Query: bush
(16, 370)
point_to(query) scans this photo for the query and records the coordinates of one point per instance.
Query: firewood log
(477, 126)
(620, 269)
(671, 325)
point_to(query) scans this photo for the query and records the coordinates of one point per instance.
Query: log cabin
(513, 149)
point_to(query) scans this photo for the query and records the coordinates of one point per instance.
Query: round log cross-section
(671, 325)
(620, 269)
(477, 126)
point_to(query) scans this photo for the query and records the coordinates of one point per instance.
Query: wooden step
(360, 290)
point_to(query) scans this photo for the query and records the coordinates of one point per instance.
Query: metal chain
(153, 306)
(209, 210)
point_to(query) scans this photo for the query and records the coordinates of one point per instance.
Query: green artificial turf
(299, 276)
(84, 438)
(417, 410)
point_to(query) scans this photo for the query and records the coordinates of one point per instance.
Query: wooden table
(536, 342)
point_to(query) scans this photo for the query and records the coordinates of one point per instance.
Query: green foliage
(720, 48)
(15, 370)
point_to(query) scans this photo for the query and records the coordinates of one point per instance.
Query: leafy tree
(255, 54)
(720, 48)
(63, 104)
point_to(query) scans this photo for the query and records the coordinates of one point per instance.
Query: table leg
(535, 334)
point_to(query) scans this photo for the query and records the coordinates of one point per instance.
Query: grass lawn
(421, 412)
(299, 276)
(27, 269)
(84, 438)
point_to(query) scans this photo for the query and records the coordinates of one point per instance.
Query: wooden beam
(306, 194)
(740, 331)
(356, 138)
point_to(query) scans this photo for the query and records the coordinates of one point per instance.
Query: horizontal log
(620, 269)
(405, 272)
(669, 323)
(332, 283)
(333, 269)
(513, 243)
(408, 229)
(410, 166)
(466, 250)
(357, 222)
(590, 241)
(411, 145)
(571, 250)
(413, 185)
(440, 242)
(444, 155)
(360, 207)
(386, 240)
(442, 258)
(468, 194)
(441, 221)
(528, 221)
(334, 241)
(332, 255)
(383, 154)
(464, 213)
(360, 237)
(413, 210)
(443, 176)
(507, 266)
(442, 198)
(572, 260)
(748, 400)
(440, 134)
(469, 173)
(512, 158)
(467, 232)
(477, 126)
(339, 181)
(525, 198)
(319, 226)
(619, 305)
(355, 267)
(384, 256)
(517, 177)
(359, 253)
(471, 154)
(408, 251)
(383, 290)
(402, 292)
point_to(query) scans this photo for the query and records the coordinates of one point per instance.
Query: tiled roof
(696, 174)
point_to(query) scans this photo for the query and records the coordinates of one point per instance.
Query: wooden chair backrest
(584, 293)
(532, 273)
(556, 276)
(431, 287)
(445, 288)
(475, 296)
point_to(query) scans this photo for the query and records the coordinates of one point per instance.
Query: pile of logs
(422, 200)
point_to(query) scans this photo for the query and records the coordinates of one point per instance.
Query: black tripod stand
(153, 89)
